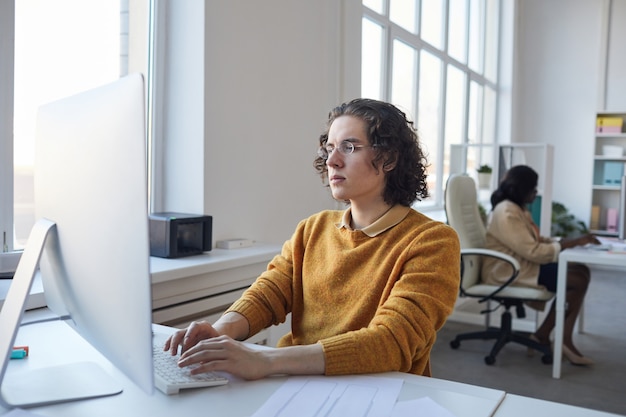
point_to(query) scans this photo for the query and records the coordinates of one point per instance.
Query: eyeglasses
(344, 148)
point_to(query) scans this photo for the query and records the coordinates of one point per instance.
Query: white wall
(615, 86)
(559, 78)
(263, 77)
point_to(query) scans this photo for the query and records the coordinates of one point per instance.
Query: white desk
(54, 343)
(585, 256)
(517, 406)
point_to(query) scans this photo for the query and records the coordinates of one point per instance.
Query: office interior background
(243, 90)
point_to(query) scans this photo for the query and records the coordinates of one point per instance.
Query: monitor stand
(33, 387)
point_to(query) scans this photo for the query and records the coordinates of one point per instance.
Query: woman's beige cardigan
(511, 230)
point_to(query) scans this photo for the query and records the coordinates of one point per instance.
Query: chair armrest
(515, 266)
(494, 254)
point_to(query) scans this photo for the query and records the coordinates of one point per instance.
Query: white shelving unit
(606, 196)
(465, 158)
(540, 157)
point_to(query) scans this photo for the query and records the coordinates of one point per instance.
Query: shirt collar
(388, 220)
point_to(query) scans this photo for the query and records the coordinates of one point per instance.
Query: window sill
(164, 271)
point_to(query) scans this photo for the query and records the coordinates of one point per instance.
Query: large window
(60, 48)
(437, 60)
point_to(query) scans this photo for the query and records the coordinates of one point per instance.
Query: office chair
(461, 208)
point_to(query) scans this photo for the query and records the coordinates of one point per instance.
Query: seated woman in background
(367, 287)
(511, 230)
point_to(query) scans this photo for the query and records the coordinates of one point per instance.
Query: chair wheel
(546, 359)
(455, 344)
(490, 360)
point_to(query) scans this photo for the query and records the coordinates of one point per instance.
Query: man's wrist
(233, 325)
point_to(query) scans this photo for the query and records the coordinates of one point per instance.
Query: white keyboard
(170, 379)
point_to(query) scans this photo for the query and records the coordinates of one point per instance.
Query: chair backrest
(461, 206)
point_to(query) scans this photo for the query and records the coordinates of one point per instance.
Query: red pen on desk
(19, 352)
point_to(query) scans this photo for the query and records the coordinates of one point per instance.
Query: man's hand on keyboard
(204, 347)
(187, 338)
(224, 354)
(217, 347)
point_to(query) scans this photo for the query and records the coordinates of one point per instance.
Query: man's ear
(389, 167)
(390, 163)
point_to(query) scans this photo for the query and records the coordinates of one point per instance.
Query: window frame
(7, 54)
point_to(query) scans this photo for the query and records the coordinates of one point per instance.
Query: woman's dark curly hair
(516, 186)
(396, 144)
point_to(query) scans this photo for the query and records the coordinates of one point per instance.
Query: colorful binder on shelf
(613, 172)
(609, 124)
(612, 218)
(595, 218)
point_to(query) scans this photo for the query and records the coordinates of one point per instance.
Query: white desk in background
(585, 256)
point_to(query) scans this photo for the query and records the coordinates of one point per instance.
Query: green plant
(484, 169)
(564, 223)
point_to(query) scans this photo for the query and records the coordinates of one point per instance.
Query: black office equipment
(174, 235)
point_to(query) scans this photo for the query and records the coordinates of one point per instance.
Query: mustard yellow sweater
(374, 303)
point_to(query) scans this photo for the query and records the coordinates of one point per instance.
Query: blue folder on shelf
(613, 172)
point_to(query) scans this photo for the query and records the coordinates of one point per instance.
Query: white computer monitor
(91, 238)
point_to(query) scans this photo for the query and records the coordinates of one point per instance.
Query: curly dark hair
(517, 184)
(396, 145)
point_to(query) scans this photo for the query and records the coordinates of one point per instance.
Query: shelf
(600, 187)
(603, 233)
(610, 135)
(609, 158)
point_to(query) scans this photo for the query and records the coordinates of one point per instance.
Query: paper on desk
(610, 244)
(349, 396)
(422, 407)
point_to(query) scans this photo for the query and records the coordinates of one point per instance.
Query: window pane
(57, 54)
(432, 22)
(429, 111)
(473, 121)
(475, 36)
(455, 116)
(489, 116)
(375, 5)
(371, 59)
(457, 30)
(455, 106)
(404, 13)
(491, 40)
(477, 129)
(403, 77)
